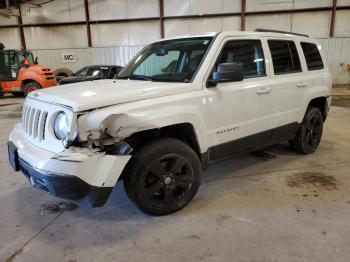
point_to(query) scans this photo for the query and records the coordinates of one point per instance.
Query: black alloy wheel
(168, 181)
(163, 176)
(310, 132)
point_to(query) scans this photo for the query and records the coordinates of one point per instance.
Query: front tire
(310, 132)
(163, 176)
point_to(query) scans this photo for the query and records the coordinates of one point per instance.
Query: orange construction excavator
(21, 74)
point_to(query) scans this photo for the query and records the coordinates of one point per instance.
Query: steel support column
(87, 18)
(161, 18)
(334, 11)
(243, 5)
(20, 29)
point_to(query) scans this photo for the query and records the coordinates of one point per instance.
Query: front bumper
(78, 174)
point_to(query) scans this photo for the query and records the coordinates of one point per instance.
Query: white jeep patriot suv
(180, 104)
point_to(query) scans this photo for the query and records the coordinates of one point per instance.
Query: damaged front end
(112, 133)
(85, 175)
(91, 163)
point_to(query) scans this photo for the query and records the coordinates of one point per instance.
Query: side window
(285, 57)
(312, 56)
(247, 52)
(113, 72)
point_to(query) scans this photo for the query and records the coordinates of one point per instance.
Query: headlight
(61, 127)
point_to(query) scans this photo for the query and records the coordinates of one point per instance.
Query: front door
(240, 113)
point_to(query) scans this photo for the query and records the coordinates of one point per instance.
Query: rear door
(317, 79)
(288, 84)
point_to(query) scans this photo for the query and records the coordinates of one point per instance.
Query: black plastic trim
(278, 31)
(67, 187)
(13, 155)
(250, 143)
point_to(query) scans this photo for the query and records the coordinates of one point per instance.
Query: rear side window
(247, 52)
(285, 57)
(312, 56)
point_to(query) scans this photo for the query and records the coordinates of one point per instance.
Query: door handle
(301, 84)
(263, 90)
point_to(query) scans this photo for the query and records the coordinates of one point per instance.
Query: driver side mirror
(227, 72)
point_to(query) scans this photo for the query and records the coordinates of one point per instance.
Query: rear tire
(309, 134)
(163, 176)
(31, 86)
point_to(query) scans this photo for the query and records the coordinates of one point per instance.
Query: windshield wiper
(138, 77)
(149, 78)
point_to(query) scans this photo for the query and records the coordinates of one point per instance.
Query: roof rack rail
(278, 31)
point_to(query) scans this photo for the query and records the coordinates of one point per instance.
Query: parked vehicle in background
(90, 73)
(21, 74)
(179, 105)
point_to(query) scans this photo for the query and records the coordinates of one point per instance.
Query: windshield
(92, 71)
(172, 60)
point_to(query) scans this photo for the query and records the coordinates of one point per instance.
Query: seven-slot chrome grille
(38, 119)
(34, 122)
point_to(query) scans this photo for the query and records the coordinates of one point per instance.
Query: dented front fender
(111, 123)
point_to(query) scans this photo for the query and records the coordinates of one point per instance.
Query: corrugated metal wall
(337, 52)
(119, 55)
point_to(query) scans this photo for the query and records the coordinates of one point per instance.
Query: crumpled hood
(93, 94)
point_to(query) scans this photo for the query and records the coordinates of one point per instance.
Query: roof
(272, 33)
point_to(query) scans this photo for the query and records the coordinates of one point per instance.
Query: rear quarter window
(312, 56)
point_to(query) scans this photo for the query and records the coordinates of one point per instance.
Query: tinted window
(247, 52)
(89, 71)
(312, 56)
(285, 57)
(114, 71)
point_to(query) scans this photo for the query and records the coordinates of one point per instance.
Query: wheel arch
(184, 132)
(320, 103)
(29, 80)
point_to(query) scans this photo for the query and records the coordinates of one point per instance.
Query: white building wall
(276, 22)
(8, 21)
(122, 9)
(337, 52)
(197, 7)
(268, 5)
(54, 12)
(193, 26)
(316, 24)
(124, 34)
(55, 37)
(342, 22)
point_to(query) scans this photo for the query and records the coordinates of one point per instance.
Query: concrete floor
(274, 205)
